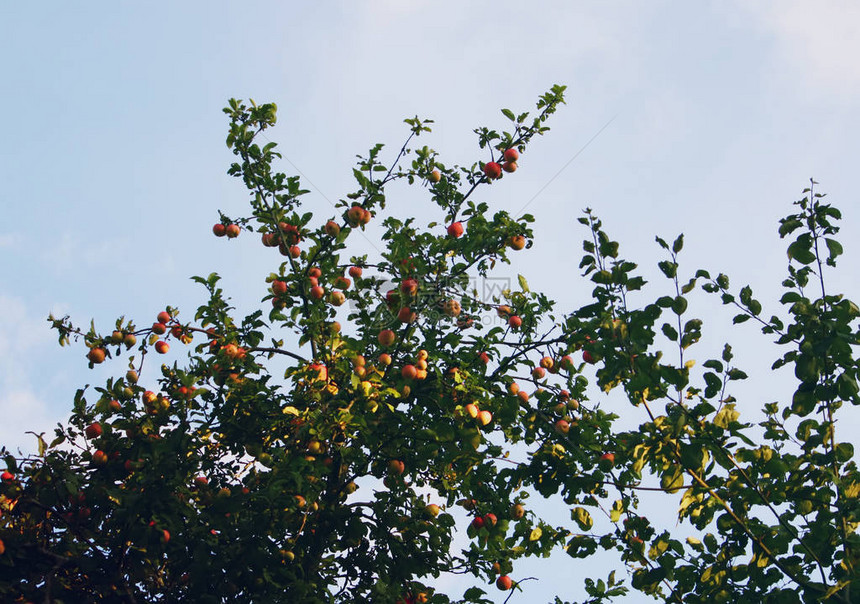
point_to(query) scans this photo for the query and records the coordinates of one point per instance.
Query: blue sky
(113, 163)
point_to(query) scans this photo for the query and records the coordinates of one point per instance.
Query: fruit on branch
(432, 509)
(490, 520)
(409, 287)
(317, 292)
(355, 272)
(472, 410)
(516, 242)
(337, 298)
(492, 170)
(100, 458)
(484, 417)
(517, 511)
(588, 357)
(96, 355)
(161, 347)
(279, 288)
(164, 317)
(94, 430)
(606, 461)
(477, 523)
(129, 340)
(562, 426)
(232, 231)
(452, 308)
(434, 176)
(396, 467)
(509, 166)
(341, 282)
(405, 315)
(332, 229)
(504, 583)
(511, 154)
(515, 322)
(219, 229)
(538, 373)
(455, 229)
(7, 476)
(386, 337)
(547, 362)
(159, 328)
(409, 372)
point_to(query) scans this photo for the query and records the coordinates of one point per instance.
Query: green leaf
(524, 285)
(678, 243)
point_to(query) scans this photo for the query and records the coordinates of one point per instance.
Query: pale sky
(113, 163)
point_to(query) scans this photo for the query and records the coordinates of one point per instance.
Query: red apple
(484, 417)
(538, 373)
(94, 430)
(385, 359)
(504, 583)
(587, 357)
(396, 466)
(96, 355)
(341, 282)
(511, 155)
(515, 322)
(562, 426)
(567, 362)
(355, 215)
(477, 523)
(332, 228)
(386, 337)
(606, 461)
(219, 229)
(295, 251)
(432, 509)
(409, 287)
(509, 166)
(232, 231)
(409, 372)
(547, 362)
(7, 476)
(455, 230)
(490, 520)
(159, 328)
(129, 340)
(485, 358)
(472, 410)
(405, 315)
(161, 347)
(355, 272)
(279, 287)
(517, 511)
(317, 292)
(100, 458)
(492, 170)
(163, 317)
(336, 298)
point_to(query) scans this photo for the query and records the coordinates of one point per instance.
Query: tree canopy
(331, 445)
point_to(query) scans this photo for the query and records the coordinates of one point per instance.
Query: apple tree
(331, 445)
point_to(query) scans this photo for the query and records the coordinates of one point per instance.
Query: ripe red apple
(96, 355)
(538, 373)
(232, 231)
(201, 481)
(562, 426)
(219, 229)
(492, 170)
(409, 372)
(587, 357)
(337, 298)
(94, 430)
(159, 328)
(315, 272)
(355, 215)
(511, 154)
(515, 322)
(295, 251)
(405, 315)
(163, 317)
(509, 166)
(485, 358)
(504, 583)
(270, 239)
(279, 288)
(484, 417)
(455, 230)
(165, 536)
(523, 396)
(396, 466)
(409, 287)
(317, 292)
(547, 362)
(7, 476)
(386, 337)
(434, 176)
(332, 228)
(129, 340)
(100, 458)
(161, 347)
(477, 523)
(567, 362)
(490, 520)
(452, 308)
(355, 272)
